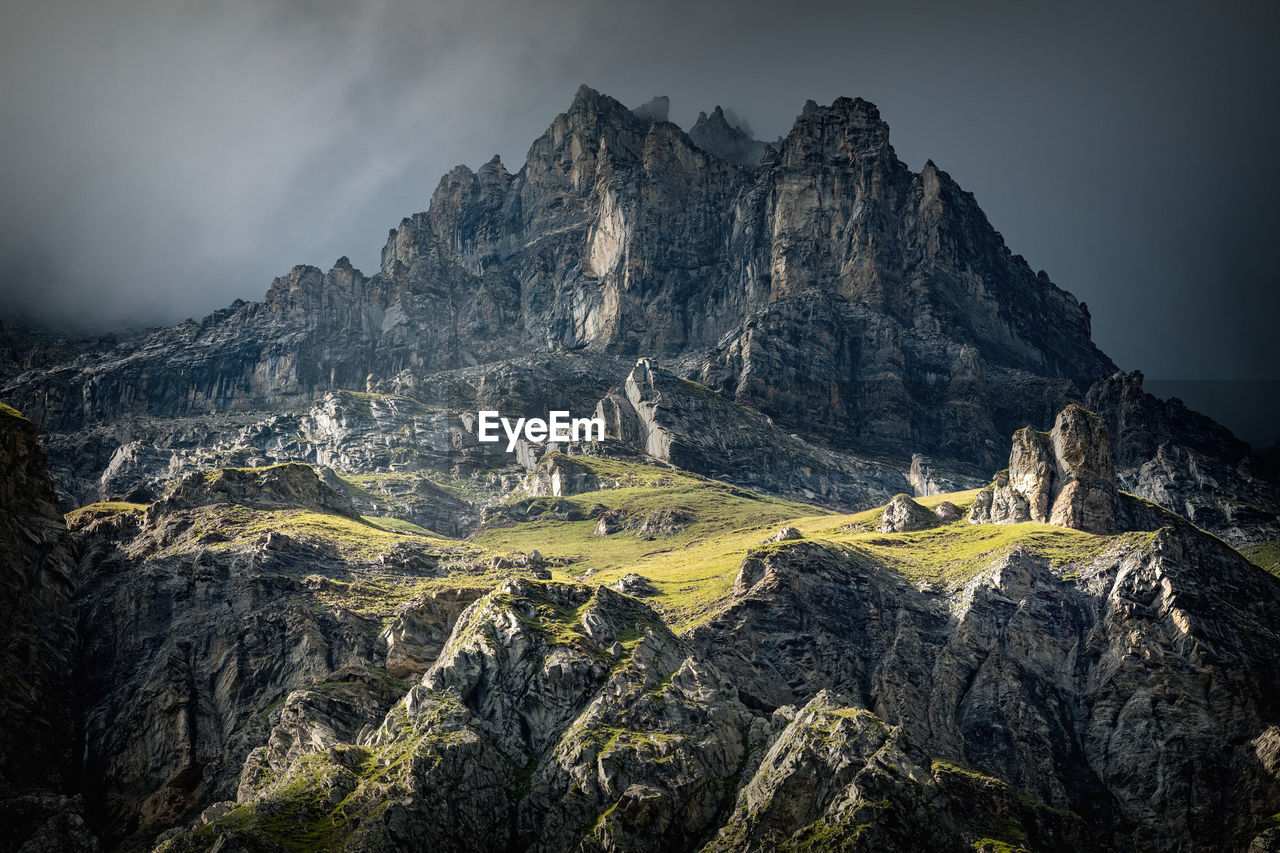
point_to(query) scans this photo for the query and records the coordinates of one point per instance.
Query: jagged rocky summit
(866, 309)
(299, 605)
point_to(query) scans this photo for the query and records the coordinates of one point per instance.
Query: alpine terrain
(879, 552)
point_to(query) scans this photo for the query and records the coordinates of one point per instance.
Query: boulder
(902, 514)
(784, 534)
(947, 512)
(1063, 477)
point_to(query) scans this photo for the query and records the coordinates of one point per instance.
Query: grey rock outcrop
(557, 475)
(1063, 477)
(947, 512)
(289, 485)
(784, 534)
(645, 525)
(682, 423)
(963, 678)
(418, 633)
(1085, 479)
(634, 585)
(867, 786)
(902, 515)
(1183, 461)
(727, 141)
(927, 478)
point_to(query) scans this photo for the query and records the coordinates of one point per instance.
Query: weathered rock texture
(727, 141)
(243, 690)
(682, 423)
(1097, 693)
(860, 306)
(39, 719)
(259, 668)
(903, 515)
(1183, 461)
(1063, 477)
(288, 485)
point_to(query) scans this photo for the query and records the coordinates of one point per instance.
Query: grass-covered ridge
(102, 509)
(693, 569)
(686, 534)
(11, 412)
(1265, 556)
(231, 525)
(954, 553)
(366, 566)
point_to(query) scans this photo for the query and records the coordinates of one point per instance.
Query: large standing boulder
(902, 514)
(1085, 485)
(1063, 477)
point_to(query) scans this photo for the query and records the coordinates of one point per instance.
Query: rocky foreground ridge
(265, 669)
(789, 603)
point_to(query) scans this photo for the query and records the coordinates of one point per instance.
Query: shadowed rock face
(685, 424)
(38, 652)
(714, 133)
(1063, 477)
(946, 512)
(1183, 461)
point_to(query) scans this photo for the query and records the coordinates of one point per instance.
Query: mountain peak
(853, 112)
(847, 127)
(728, 141)
(589, 102)
(834, 330)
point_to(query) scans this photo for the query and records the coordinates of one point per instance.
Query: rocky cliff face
(861, 306)
(684, 424)
(1034, 704)
(1185, 462)
(265, 669)
(727, 141)
(306, 608)
(571, 251)
(855, 303)
(1045, 681)
(39, 710)
(1063, 477)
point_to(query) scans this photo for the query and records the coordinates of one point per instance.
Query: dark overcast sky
(163, 158)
